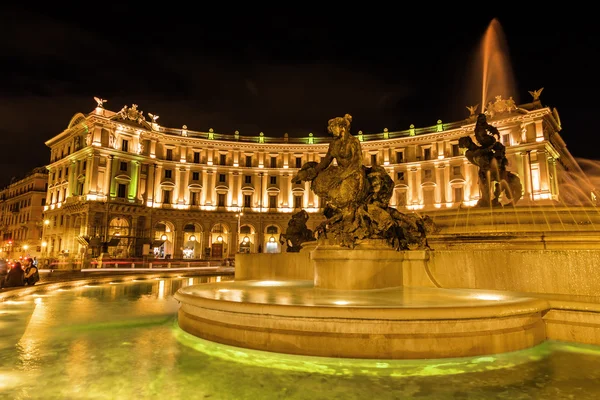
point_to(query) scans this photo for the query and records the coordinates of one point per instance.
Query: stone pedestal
(372, 264)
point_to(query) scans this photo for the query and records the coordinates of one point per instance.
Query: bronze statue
(490, 157)
(297, 232)
(357, 197)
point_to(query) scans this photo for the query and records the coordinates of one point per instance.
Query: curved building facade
(119, 183)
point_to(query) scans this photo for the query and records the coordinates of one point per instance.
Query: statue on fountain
(490, 156)
(297, 232)
(357, 197)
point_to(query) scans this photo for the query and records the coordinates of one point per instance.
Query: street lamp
(239, 225)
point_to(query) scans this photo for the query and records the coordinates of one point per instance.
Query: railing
(131, 263)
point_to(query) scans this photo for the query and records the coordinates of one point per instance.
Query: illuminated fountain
(499, 278)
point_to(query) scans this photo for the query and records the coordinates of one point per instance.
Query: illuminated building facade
(21, 209)
(120, 183)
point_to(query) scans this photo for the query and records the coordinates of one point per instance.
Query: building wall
(21, 215)
(117, 176)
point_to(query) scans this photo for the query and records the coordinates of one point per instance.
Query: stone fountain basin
(295, 317)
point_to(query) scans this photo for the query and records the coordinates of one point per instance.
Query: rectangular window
(121, 190)
(166, 197)
(272, 201)
(427, 154)
(125, 145)
(247, 200)
(197, 157)
(222, 159)
(84, 165)
(400, 176)
(194, 200)
(399, 157)
(373, 159)
(456, 170)
(455, 150)
(168, 173)
(297, 201)
(123, 166)
(195, 176)
(458, 194)
(505, 139)
(248, 161)
(273, 180)
(222, 178)
(428, 174)
(247, 178)
(298, 162)
(221, 199)
(273, 162)
(169, 154)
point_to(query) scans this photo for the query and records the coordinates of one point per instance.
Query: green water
(121, 341)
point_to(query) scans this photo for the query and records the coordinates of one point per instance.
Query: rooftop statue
(472, 110)
(536, 94)
(100, 102)
(297, 232)
(489, 154)
(357, 197)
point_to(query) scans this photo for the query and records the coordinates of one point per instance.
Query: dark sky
(282, 69)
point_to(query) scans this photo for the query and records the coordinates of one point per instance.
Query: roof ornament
(500, 106)
(100, 102)
(536, 94)
(472, 110)
(132, 113)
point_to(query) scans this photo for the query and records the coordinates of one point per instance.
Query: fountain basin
(295, 317)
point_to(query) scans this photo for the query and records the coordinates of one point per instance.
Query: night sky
(281, 69)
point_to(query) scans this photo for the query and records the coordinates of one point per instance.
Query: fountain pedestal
(372, 264)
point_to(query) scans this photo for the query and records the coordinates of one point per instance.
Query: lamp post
(260, 201)
(239, 237)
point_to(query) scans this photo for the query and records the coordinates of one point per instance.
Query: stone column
(542, 157)
(205, 188)
(72, 188)
(93, 167)
(527, 176)
(185, 190)
(157, 181)
(177, 236)
(108, 189)
(150, 183)
(418, 186)
(446, 180)
(439, 187)
(134, 188)
(212, 177)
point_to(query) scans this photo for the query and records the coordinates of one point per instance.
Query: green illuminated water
(121, 341)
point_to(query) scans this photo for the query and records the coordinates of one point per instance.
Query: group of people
(21, 274)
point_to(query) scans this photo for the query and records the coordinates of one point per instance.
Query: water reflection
(121, 341)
